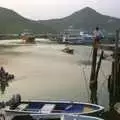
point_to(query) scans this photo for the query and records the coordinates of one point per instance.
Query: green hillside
(86, 19)
(11, 22)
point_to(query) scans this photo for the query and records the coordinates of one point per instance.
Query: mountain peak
(88, 10)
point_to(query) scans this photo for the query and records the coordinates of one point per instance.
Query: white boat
(53, 108)
(15, 107)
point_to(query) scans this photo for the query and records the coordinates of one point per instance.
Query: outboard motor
(15, 101)
(18, 98)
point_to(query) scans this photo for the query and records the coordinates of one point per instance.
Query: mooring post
(115, 62)
(114, 81)
(93, 82)
(99, 64)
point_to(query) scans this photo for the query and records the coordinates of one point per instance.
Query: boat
(15, 107)
(68, 50)
(54, 107)
(28, 37)
(75, 36)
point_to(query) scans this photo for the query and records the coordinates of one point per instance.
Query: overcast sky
(47, 9)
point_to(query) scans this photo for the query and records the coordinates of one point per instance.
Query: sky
(50, 9)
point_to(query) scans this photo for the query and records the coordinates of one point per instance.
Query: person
(97, 35)
(18, 98)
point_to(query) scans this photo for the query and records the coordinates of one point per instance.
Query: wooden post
(99, 64)
(93, 82)
(94, 75)
(114, 81)
(116, 62)
(111, 88)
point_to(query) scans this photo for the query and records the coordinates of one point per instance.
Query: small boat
(28, 37)
(54, 107)
(15, 107)
(68, 50)
(63, 117)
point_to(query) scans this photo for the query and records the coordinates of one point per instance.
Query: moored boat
(28, 37)
(54, 107)
(15, 107)
(68, 50)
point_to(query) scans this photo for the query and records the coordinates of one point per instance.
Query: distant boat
(28, 37)
(68, 50)
(73, 36)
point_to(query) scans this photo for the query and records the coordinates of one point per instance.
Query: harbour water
(42, 71)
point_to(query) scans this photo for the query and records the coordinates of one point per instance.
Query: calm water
(44, 72)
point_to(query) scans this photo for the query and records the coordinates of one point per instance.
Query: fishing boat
(68, 50)
(28, 37)
(15, 107)
(54, 107)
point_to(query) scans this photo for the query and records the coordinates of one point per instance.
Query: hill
(12, 22)
(85, 19)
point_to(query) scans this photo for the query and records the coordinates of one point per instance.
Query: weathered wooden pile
(114, 78)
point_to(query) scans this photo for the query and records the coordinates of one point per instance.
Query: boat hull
(64, 117)
(69, 51)
(28, 39)
(55, 107)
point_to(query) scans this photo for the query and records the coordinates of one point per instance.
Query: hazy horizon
(52, 9)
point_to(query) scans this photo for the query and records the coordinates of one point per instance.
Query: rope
(106, 78)
(101, 86)
(85, 78)
(90, 53)
(84, 74)
(89, 57)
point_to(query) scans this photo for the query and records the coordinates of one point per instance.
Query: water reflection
(84, 62)
(5, 77)
(3, 85)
